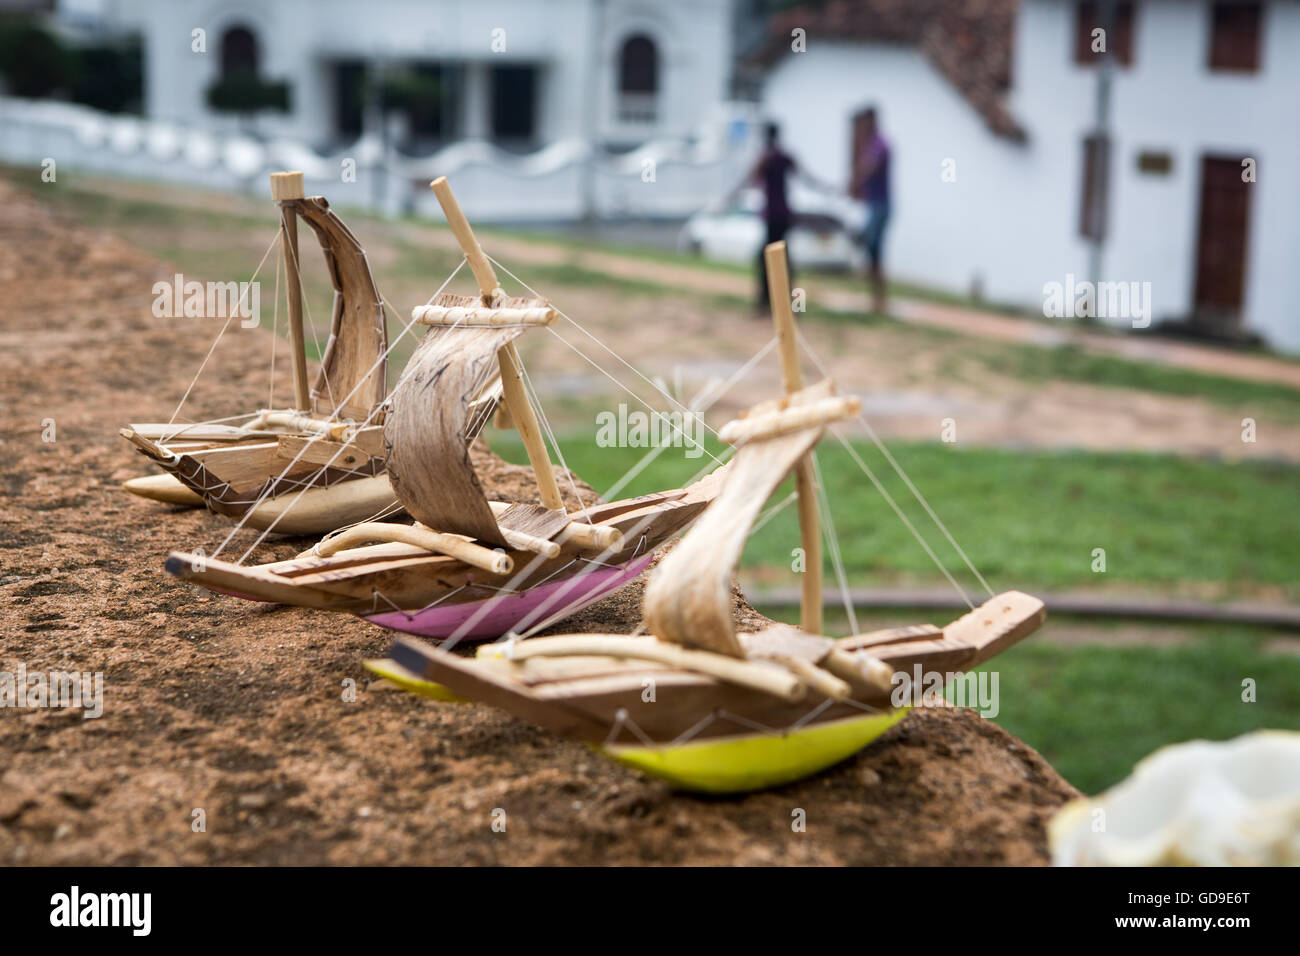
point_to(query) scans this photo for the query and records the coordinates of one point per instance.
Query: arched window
(639, 66)
(238, 51)
(638, 79)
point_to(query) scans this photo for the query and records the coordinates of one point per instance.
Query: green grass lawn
(1027, 519)
(1093, 712)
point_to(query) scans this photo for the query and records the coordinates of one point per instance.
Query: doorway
(1221, 242)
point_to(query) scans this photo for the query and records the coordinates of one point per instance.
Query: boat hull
(166, 488)
(756, 761)
(505, 612)
(400, 677)
(718, 765)
(253, 483)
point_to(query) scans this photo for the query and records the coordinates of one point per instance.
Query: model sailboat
(694, 702)
(470, 567)
(325, 456)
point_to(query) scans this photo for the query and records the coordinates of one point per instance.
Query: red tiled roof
(968, 41)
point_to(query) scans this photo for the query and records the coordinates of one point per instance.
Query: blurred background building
(1023, 155)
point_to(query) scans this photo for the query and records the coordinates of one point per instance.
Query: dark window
(639, 66)
(1234, 36)
(514, 102)
(1096, 165)
(638, 80)
(349, 97)
(1089, 16)
(238, 51)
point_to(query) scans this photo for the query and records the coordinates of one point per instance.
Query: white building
(520, 73)
(990, 142)
(541, 110)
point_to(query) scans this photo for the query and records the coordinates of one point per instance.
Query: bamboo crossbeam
(595, 537)
(767, 678)
(301, 423)
(822, 412)
(201, 432)
(288, 186)
(442, 315)
(530, 542)
(860, 669)
(590, 536)
(521, 411)
(823, 682)
(778, 285)
(451, 545)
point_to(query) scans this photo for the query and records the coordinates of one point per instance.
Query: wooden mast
(522, 414)
(289, 186)
(778, 286)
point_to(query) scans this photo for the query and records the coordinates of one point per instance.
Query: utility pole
(1099, 182)
(595, 72)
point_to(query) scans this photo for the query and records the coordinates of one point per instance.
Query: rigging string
(546, 426)
(566, 588)
(589, 335)
(230, 318)
(476, 424)
(271, 484)
(717, 392)
(898, 469)
(833, 542)
(183, 427)
(902, 517)
(654, 411)
(322, 470)
(773, 511)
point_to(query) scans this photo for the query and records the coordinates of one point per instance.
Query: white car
(825, 234)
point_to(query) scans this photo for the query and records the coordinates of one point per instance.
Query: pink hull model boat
(492, 617)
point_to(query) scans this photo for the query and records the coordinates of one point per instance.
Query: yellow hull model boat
(694, 702)
(756, 762)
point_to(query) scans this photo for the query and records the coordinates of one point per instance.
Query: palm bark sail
(318, 465)
(469, 567)
(729, 711)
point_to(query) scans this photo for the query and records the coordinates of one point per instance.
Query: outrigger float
(728, 711)
(469, 567)
(321, 464)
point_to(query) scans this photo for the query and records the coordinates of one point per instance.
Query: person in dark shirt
(871, 181)
(771, 173)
